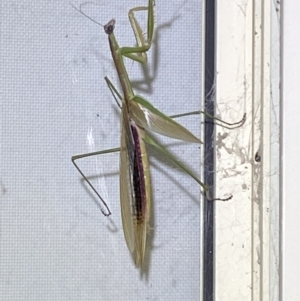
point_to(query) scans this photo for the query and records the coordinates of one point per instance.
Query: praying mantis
(138, 116)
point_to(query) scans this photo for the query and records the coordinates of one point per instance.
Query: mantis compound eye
(110, 26)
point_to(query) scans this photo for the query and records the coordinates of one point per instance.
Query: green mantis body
(138, 116)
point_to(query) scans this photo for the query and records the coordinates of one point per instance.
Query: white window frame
(247, 233)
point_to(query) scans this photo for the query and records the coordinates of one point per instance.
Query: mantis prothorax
(138, 117)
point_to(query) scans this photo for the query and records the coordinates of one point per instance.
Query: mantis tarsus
(138, 116)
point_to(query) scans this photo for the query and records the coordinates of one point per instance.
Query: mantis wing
(135, 183)
(135, 187)
(148, 117)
